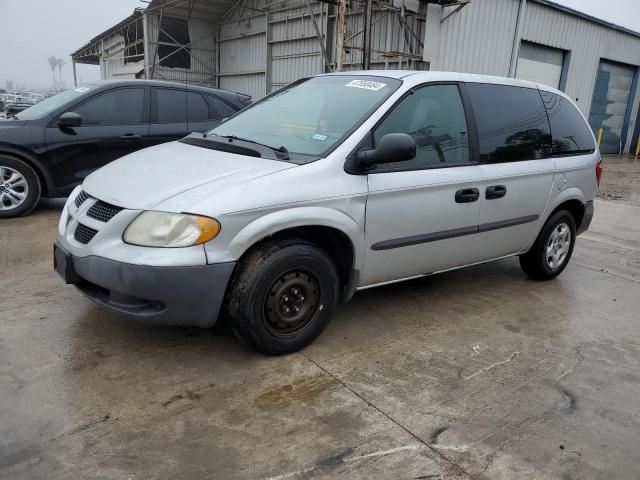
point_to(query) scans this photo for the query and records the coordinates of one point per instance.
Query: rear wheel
(19, 187)
(552, 250)
(282, 295)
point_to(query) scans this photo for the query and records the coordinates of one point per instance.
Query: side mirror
(69, 120)
(392, 147)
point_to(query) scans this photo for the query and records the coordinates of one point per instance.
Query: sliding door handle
(467, 195)
(495, 191)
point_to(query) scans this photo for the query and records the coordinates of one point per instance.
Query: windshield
(309, 118)
(47, 106)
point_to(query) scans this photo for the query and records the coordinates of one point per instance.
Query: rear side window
(171, 106)
(198, 110)
(511, 121)
(570, 133)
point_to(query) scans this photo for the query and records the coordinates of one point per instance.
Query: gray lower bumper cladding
(175, 295)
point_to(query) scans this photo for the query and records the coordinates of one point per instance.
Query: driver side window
(434, 117)
(124, 106)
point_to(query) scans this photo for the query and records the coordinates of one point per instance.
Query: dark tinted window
(197, 108)
(512, 123)
(117, 107)
(219, 109)
(435, 118)
(569, 131)
(171, 106)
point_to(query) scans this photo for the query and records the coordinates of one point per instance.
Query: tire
(552, 250)
(289, 274)
(25, 181)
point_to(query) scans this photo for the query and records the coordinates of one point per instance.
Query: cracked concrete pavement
(477, 373)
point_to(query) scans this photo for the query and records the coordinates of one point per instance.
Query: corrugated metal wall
(203, 57)
(260, 53)
(242, 47)
(479, 39)
(113, 57)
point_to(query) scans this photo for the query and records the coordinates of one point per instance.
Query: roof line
(586, 16)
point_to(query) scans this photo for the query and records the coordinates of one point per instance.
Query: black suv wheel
(19, 187)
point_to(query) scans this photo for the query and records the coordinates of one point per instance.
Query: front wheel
(19, 187)
(282, 295)
(552, 250)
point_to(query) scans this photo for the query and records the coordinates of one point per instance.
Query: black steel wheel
(292, 302)
(282, 295)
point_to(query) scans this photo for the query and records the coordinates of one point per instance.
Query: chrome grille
(82, 196)
(103, 211)
(84, 234)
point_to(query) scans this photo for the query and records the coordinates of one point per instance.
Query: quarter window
(512, 123)
(219, 109)
(435, 119)
(570, 133)
(117, 107)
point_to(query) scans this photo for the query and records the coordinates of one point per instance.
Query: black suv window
(197, 108)
(170, 106)
(434, 117)
(571, 135)
(124, 106)
(512, 123)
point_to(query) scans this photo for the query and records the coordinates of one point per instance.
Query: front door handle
(495, 191)
(467, 195)
(130, 136)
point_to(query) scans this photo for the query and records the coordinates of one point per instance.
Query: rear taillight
(599, 170)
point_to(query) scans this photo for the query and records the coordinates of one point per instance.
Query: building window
(541, 64)
(173, 43)
(134, 42)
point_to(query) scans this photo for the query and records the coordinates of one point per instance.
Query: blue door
(610, 106)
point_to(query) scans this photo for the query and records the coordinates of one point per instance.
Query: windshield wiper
(284, 153)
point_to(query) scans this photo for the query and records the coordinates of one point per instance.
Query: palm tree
(60, 63)
(53, 63)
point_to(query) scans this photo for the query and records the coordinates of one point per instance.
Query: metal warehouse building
(258, 46)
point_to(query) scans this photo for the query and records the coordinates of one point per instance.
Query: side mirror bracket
(392, 147)
(69, 120)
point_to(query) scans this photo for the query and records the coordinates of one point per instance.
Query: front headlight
(160, 229)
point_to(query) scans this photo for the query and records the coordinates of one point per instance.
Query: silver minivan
(330, 185)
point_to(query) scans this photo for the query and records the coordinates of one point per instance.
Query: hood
(174, 176)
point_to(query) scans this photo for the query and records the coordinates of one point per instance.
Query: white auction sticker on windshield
(366, 84)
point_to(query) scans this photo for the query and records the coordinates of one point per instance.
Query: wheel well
(44, 186)
(575, 207)
(333, 241)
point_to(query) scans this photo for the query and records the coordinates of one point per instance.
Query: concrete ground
(475, 373)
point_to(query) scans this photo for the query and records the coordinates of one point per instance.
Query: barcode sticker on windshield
(366, 84)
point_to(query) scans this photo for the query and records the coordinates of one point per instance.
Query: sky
(34, 30)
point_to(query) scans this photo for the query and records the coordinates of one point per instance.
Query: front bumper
(172, 295)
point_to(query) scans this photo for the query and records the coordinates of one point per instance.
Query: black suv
(49, 148)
